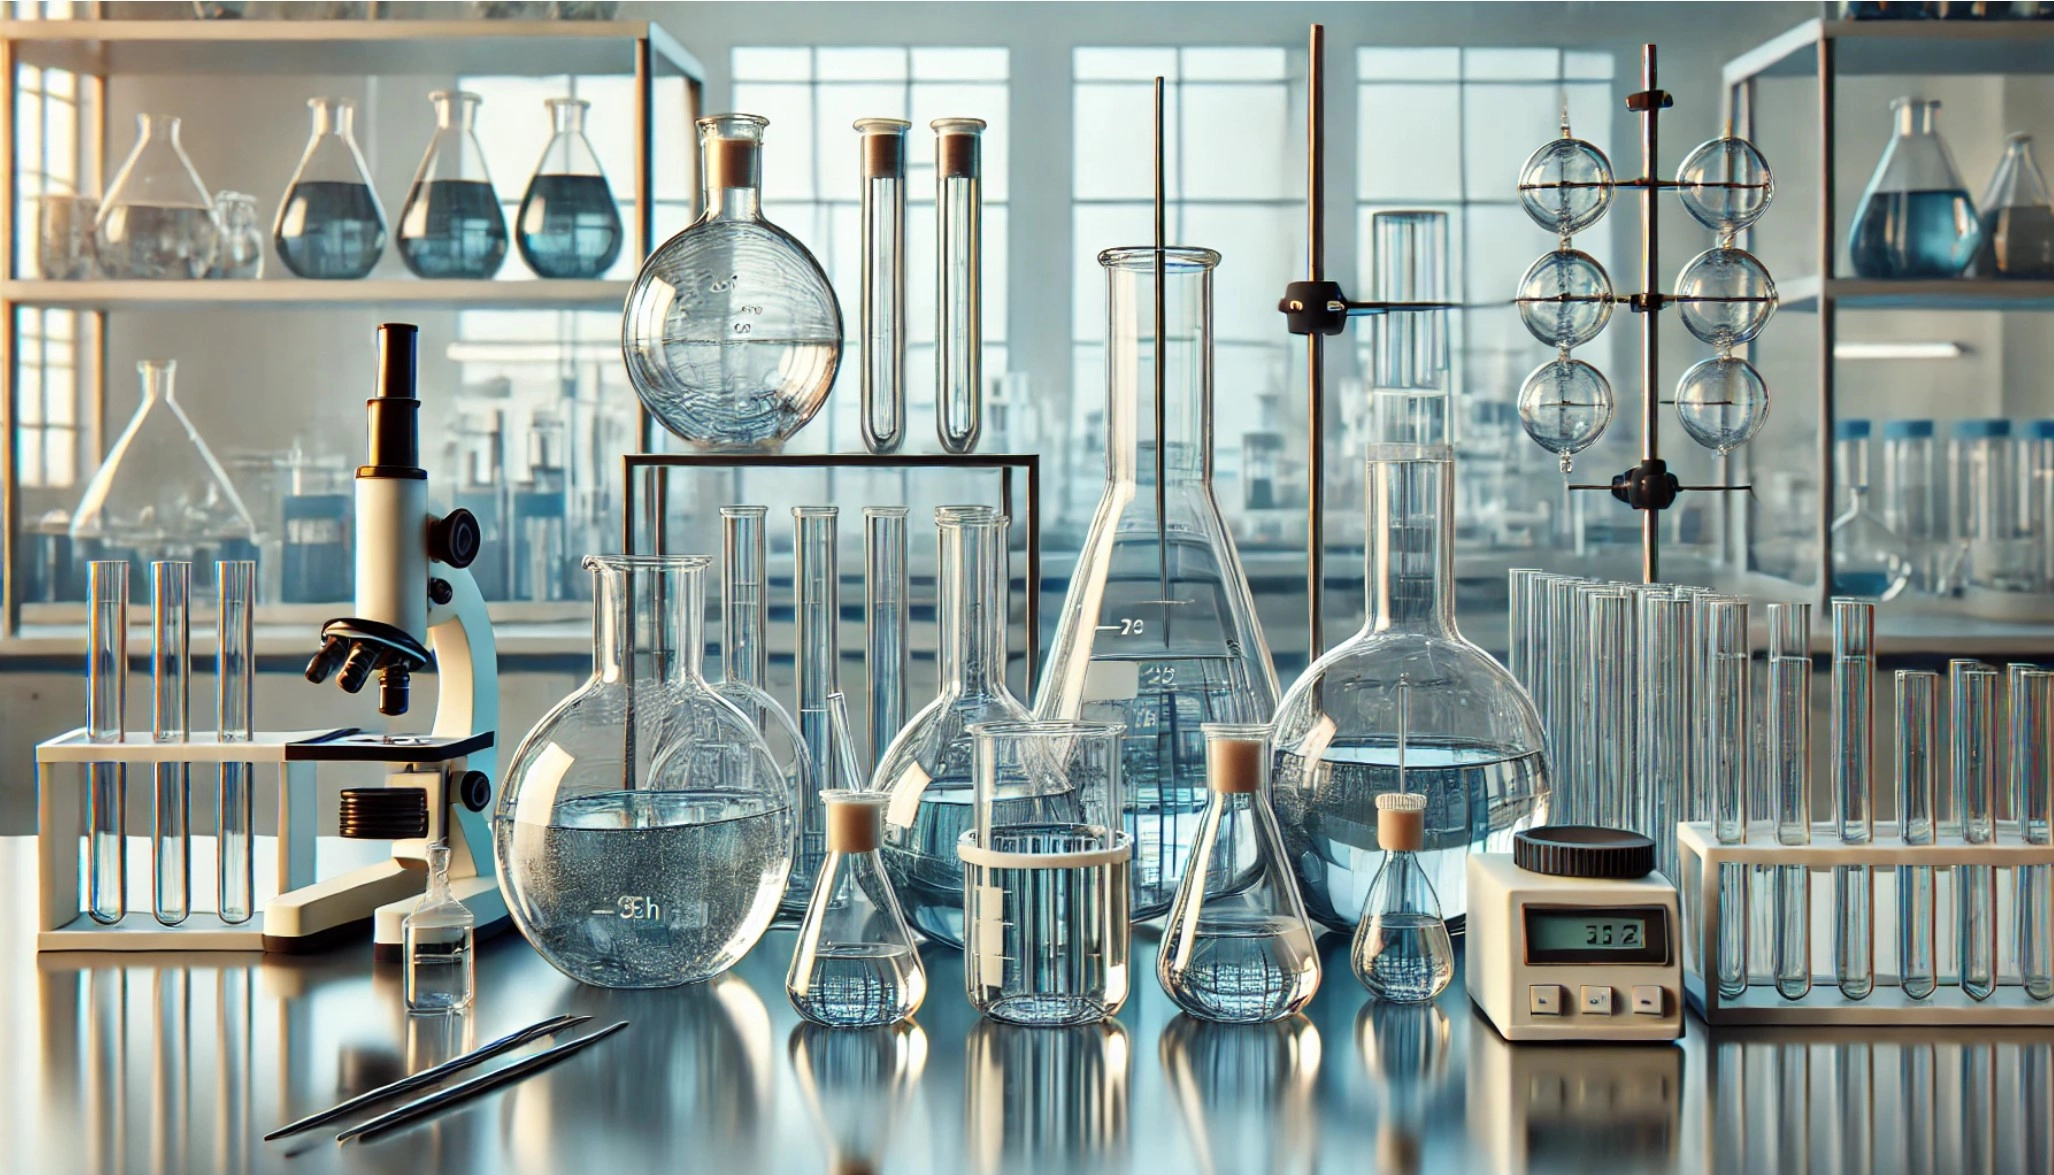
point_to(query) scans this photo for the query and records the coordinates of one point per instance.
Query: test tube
(1918, 783)
(886, 621)
(1611, 716)
(958, 290)
(106, 718)
(1662, 723)
(1517, 625)
(1790, 766)
(744, 602)
(171, 586)
(1854, 682)
(2032, 792)
(1725, 766)
(235, 680)
(883, 152)
(818, 575)
(1973, 687)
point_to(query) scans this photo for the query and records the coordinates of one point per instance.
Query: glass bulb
(1566, 186)
(1726, 296)
(1565, 299)
(1722, 402)
(1725, 184)
(1565, 405)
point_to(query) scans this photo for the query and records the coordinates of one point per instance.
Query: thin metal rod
(422, 1107)
(1828, 323)
(645, 192)
(1162, 501)
(1650, 326)
(1315, 343)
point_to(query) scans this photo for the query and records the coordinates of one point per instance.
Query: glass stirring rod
(1918, 775)
(1854, 676)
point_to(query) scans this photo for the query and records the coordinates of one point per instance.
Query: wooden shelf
(1857, 293)
(1909, 48)
(292, 293)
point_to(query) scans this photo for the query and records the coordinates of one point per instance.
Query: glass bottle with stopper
(1401, 951)
(568, 225)
(438, 940)
(855, 965)
(1915, 219)
(452, 225)
(330, 223)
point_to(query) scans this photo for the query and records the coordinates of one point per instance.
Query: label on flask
(988, 929)
(1112, 681)
(906, 791)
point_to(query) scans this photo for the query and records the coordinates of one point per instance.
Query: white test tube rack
(1700, 855)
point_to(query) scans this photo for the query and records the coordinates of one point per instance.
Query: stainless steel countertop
(181, 1062)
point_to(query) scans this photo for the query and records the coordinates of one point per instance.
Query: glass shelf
(286, 294)
(1909, 48)
(1853, 293)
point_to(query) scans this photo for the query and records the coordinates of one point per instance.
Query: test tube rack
(1701, 857)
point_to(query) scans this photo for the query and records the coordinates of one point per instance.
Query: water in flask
(1914, 234)
(569, 226)
(1415, 958)
(1053, 946)
(330, 230)
(854, 965)
(453, 229)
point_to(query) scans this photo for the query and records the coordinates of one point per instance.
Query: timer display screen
(1589, 934)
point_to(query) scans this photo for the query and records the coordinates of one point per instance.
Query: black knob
(455, 538)
(439, 591)
(1577, 850)
(474, 790)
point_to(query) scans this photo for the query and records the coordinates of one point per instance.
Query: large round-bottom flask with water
(1405, 705)
(644, 831)
(1158, 632)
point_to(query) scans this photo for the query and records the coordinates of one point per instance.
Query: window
(50, 110)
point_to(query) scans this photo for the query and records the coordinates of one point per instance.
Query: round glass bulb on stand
(1725, 296)
(1566, 186)
(1722, 402)
(1565, 299)
(1564, 405)
(1725, 184)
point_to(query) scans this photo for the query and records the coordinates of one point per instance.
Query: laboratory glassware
(438, 941)
(959, 282)
(644, 831)
(64, 236)
(1045, 887)
(1870, 561)
(1722, 402)
(1248, 1093)
(2036, 501)
(239, 251)
(1158, 631)
(1406, 700)
(106, 716)
(159, 493)
(745, 656)
(1789, 751)
(817, 580)
(1918, 823)
(1915, 219)
(855, 965)
(1566, 186)
(1725, 296)
(886, 620)
(1401, 951)
(1565, 299)
(330, 223)
(1725, 764)
(2032, 803)
(883, 172)
(235, 720)
(2017, 217)
(927, 769)
(732, 333)
(1564, 405)
(1236, 945)
(157, 220)
(568, 225)
(171, 832)
(1661, 722)
(1982, 503)
(1912, 498)
(451, 225)
(1608, 709)
(1972, 727)
(1725, 184)
(1853, 718)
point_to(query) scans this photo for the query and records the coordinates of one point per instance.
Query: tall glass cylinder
(2036, 499)
(817, 574)
(886, 621)
(1790, 766)
(1725, 764)
(883, 171)
(235, 681)
(1912, 498)
(1854, 678)
(1410, 380)
(171, 586)
(1918, 823)
(1983, 506)
(958, 291)
(1610, 703)
(1518, 626)
(1661, 726)
(1973, 689)
(106, 719)
(2032, 799)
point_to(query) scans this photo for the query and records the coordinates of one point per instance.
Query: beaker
(451, 225)
(1045, 887)
(883, 331)
(958, 282)
(1158, 631)
(1870, 561)
(157, 220)
(330, 223)
(855, 965)
(926, 769)
(568, 225)
(1915, 219)
(732, 333)
(239, 249)
(64, 237)
(2017, 217)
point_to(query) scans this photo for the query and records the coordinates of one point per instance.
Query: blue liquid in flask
(569, 226)
(1915, 234)
(453, 229)
(330, 230)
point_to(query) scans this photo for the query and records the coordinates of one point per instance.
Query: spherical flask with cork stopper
(1402, 952)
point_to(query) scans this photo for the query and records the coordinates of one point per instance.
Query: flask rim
(613, 562)
(882, 126)
(1047, 728)
(1176, 258)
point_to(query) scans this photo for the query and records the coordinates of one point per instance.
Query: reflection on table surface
(181, 1062)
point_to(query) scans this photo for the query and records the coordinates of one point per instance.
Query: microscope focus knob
(474, 790)
(455, 538)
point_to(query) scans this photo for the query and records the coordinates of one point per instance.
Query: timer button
(1647, 1000)
(1596, 1001)
(1544, 999)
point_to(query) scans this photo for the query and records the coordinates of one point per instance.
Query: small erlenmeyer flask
(1236, 946)
(855, 965)
(158, 218)
(452, 225)
(2018, 217)
(568, 225)
(330, 223)
(1915, 219)
(1402, 952)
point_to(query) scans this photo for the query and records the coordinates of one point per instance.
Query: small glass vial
(1402, 952)
(855, 965)
(438, 938)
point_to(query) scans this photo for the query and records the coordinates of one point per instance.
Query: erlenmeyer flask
(1401, 951)
(568, 225)
(855, 965)
(1236, 946)
(732, 332)
(1158, 632)
(159, 493)
(1915, 218)
(1870, 561)
(330, 223)
(926, 769)
(2018, 217)
(451, 225)
(158, 218)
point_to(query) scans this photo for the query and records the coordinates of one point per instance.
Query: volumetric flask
(330, 224)
(732, 334)
(568, 225)
(452, 225)
(1158, 632)
(1045, 874)
(158, 218)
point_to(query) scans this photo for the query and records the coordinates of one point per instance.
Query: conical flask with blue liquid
(1916, 219)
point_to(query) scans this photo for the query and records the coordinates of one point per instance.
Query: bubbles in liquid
(452, 229)
(1725, 296)
(330, 230)
(568, 226)
(1722, 402)
(1245, 968)
(1565, 299)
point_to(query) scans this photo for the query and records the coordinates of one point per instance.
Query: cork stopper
(1234, 764)
(855, 820)
(732, 148)
(956, 151)
(1400, 822)
(883, 147)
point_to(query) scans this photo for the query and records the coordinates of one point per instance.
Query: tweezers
(483, 1083)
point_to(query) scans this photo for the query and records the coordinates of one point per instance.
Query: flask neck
(1409, 555)
(647, 617)
(569, 115)
(158, 128)
(1131, 361)
(158, 378)
(734, 178)
(972, 606)
(438, 876)
(744, 607)
(455, 110)
(333, 116)
(1917, 118)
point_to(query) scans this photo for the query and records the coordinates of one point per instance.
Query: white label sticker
(991, 935)
(906, 791)
(1112, 681)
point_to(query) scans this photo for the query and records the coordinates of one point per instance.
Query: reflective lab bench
(181, 1062)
